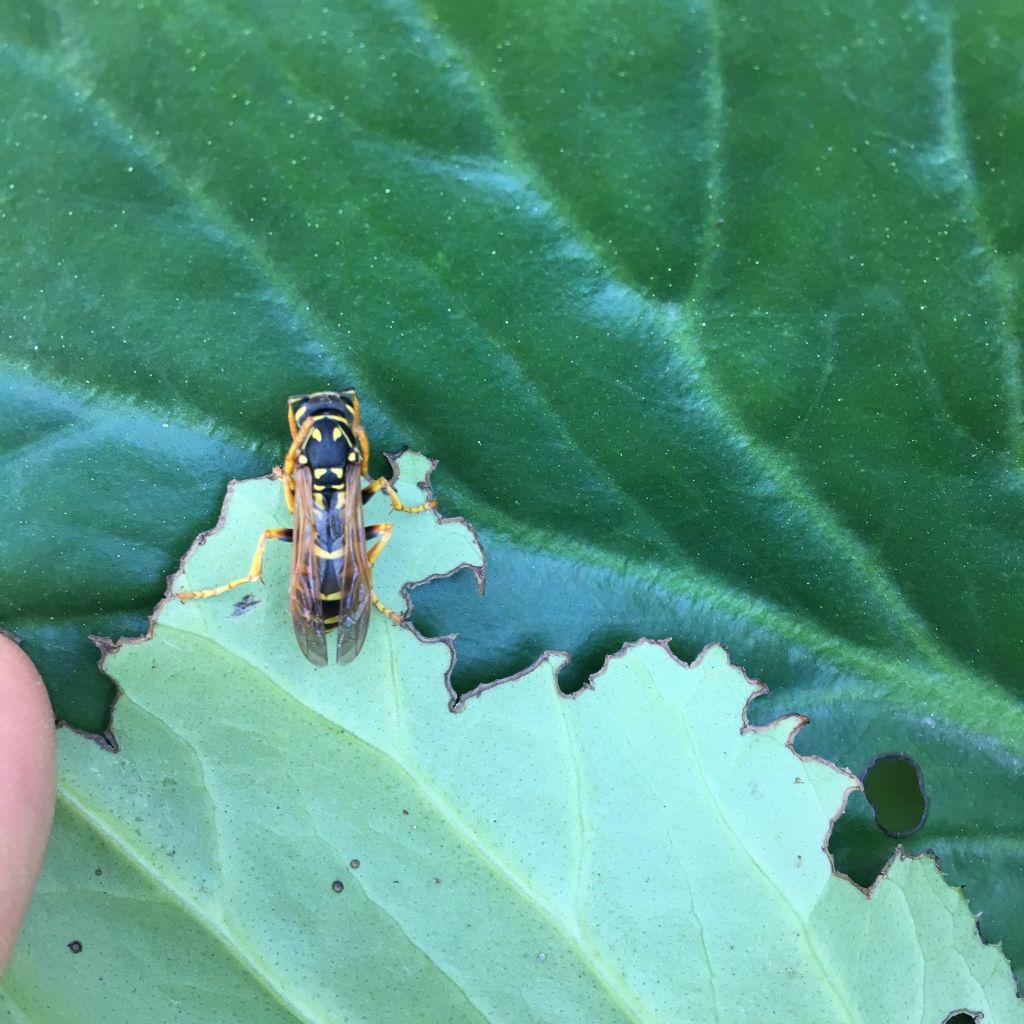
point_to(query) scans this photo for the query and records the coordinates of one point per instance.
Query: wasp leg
(255, 570)
(381, 484)
(381, 607)
(364, 447)
(287, 479)
(383, 532)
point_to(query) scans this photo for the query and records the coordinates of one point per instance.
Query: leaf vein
(956, 142)
(262, 973)
(841, 998)
(471, 838)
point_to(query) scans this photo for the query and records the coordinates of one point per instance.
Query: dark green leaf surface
(709, 312)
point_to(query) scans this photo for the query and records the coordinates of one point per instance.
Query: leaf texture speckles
(710, 312)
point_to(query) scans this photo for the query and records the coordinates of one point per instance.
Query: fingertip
(27, 783)
(20, 681)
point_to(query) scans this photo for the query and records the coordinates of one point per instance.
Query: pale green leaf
(635, 853)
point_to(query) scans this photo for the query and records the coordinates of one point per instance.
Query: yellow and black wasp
(332, 569)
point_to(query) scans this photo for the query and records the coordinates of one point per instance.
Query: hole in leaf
(859, 848)
(963, 1017)
(894, 787)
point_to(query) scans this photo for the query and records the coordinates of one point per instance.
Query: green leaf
(710, 312)
(276, 842)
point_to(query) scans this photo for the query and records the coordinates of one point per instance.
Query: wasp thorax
(329, 447)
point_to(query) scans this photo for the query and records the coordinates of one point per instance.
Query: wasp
(332, 569)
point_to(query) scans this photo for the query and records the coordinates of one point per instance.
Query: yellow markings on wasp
(336, 596)
(332, 620)
(332, 555)
(318, 472)
(319, 499)
(301, 411)
(303, 460)
(352, 457)
(336, 434)
(342, 429)
(316, 434)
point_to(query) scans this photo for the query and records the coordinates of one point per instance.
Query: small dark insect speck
(98, 872)
(241, 607)
(338, 885)
(405, 812)
(437, 881)
(75, 947)
(353, 863)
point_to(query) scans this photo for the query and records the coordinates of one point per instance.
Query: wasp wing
(306, 602)
(355, 579)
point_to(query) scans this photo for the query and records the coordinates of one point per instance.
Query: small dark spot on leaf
(241, 607)
(437, 881)
(338, 885)
(894, 786)
(353, 864)
(98, 872)
(798, 781)
(405, 812)
(963, 1017)
(75, 946)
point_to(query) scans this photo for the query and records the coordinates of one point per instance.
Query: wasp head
(345, 403)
